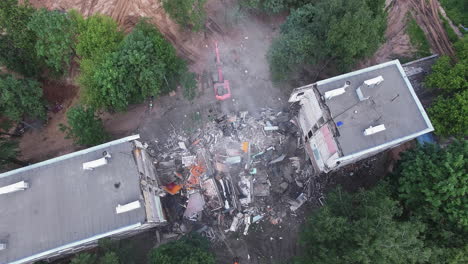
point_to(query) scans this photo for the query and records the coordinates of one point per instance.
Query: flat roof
(392, 103)
(65, 204)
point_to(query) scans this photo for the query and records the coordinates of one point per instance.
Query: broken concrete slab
(278, 159)
(300, 200)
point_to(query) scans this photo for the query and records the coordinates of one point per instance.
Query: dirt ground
(243, 41)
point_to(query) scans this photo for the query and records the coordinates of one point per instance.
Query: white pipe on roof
(19, 186)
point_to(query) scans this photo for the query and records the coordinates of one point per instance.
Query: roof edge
(415, 97)
(372, 68)
(386, 145)
(77, 243)
(70, 155)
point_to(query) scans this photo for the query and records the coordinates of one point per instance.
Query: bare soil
(243, 41)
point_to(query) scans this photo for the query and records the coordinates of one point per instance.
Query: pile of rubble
(234, 172)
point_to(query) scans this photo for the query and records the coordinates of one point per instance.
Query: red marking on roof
(331, 145)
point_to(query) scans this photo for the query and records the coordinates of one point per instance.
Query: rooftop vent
(127, 207)
(360, 94)
(91, 165)
(372, 130)
(3, 245)
(338, 91)
(374, 81)
(19, 186)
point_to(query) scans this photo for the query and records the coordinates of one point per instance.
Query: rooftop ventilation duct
(338, 91)
(127, 207)
(360, 94)
(91, 165)
(371, 83)
(19, 186)
(372, 130)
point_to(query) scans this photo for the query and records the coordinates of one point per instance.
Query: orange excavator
(236, 260)
(221, 87)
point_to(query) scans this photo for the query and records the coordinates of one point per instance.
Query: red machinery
(221, 86)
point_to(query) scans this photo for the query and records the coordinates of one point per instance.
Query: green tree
(84, 258)
(188, 250)
(109, 258)
(449, 115)
(189, 85)
(447, 76)
(55, 32)
(9, 152)
(85, 128)
(17, 42)
(21, 97)
(188, 13)
(337, 31)
(433, 183)
(97, 35)
(144, 65)
(273, 6)
(361, 228)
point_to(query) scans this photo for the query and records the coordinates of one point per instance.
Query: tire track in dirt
(427, 16)
(121, 11)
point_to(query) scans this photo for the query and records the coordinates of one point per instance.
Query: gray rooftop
(392, 103)
(66, 204)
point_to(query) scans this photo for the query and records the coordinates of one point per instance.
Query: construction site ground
(244, 39)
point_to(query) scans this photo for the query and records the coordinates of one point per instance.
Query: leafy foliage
(433, 183)
(188, 250)
(457, 11)
(189, 84)
(447, 76)
(55, 33)
(449, 112)
(21, 97)
(85, 128)
(144, 65)
(273, 6)
(450, 115)
(418, 39)
(341, 31)
(109, 258)
(84, 258)
(188, 13)
(361, 228)
(17, 44)
(9, 150)
(97, 35)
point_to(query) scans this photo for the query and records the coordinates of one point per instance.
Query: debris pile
(237, 171)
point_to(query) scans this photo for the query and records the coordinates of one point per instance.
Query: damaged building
(356, 115)
(64, 205)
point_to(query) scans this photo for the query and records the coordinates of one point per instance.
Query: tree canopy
(433, 183)
(17, 44)
(20, 98)
(55, 33)
(85, 128)
(449, 115)
(187, 13)
(97, 35)
(449, 112)
(273, 6)
(9, 150)
(144, 65)
(361, 228)
(188, 250)
(340, 31)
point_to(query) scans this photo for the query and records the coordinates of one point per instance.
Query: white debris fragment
(182, 145)
(300, 200)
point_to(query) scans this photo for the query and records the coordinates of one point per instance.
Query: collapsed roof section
(354, 115)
